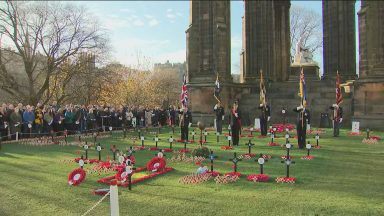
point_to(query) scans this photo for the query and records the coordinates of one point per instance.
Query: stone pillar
(339, 38)
(371, 39)
(208, 41)
(368, 98)
(259, 50)
(208, 53)
(283, 41)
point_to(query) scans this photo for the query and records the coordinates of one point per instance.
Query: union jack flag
(184, 93)
(339, 96)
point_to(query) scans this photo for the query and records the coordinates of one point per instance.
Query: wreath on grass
(258, 178)
(156, 164)
(76, 177)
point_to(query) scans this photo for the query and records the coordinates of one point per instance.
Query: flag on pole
(339, 96)
(217, 89)
(184, 93)
(263, 91)
(303, 92)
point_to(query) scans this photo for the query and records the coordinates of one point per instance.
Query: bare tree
(144, 63)
(44, 36)
(305, 24)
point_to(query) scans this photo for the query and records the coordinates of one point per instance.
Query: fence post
(114, 200)
(17, 136)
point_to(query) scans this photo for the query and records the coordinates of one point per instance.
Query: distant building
(180, 68)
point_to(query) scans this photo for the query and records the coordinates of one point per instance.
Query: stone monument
(304, 59)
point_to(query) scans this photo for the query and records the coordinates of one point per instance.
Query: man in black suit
(303, 118)
(337, 118)
(219, 110)
(185, 122)
(235, 123)
(265, 116)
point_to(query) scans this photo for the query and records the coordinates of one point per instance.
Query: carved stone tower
(339, 49)
(209, 41)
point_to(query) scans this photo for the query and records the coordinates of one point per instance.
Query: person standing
(48, 120)
(148, 117)
(3, 125)
(219, 110)
(15, 121)
(28, 119)
(337, 110)
(83, 119)
(91, 120)
(185, 123)
(162, 117)
(129, 118)
(235, 123)
(265, 116)
(303, 118)
(336, 119)
(39, 120)
(69, 119)
(172, 116)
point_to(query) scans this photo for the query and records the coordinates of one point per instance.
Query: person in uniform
(185, 122)
(265, 116)
(235, 123)
(303, 118)
(337, 118)
(219, 110)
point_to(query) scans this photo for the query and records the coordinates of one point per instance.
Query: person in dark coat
(303, 118)
(58, 121)
(235, 123)
(76, 125)
(3, 125)
(15, 121)
(185, 122)
(219, 111)
(48, 120)
(337, 118)
(265, 116)
(91, 119)
(163, 117)
(172, 115)
(83, 119)
(69, 119)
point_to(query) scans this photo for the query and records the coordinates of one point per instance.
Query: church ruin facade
(266, 47)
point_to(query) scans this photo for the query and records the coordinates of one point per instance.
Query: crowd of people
(32, 121)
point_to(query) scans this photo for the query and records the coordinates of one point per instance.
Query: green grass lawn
(345, 178)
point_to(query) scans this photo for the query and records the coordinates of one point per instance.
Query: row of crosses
(98, 148)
